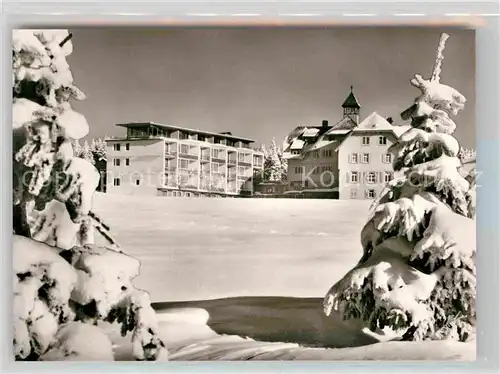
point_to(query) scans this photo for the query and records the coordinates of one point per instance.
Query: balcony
(219, 155)
(188, 181)
(245, 159)
(205, 156)
(170, 153)
(189, 151)
(205, 184)
(244, 173)
(188, 172)
(232, 188)
(219, 159)
(170, 180)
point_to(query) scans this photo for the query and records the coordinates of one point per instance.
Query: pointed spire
(351, 101)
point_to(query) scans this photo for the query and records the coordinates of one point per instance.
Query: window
(315, 154)
(217, 168)
(295, 152)
(116, 182)
(327, 153)
(116, 147)
(387, 158)
(365, 140)
(183, 164)
(217, 153)
(354, 177)
(137, 182)
(257, 160)
(371, 177)
(382, 140)
(388, 176)
(242, 157)
(116, 161)
(184, 149)
(366, 158)
(298, 169)
(127, 146)
(370, 194)
(353, 158)
(354, 193)
(127, 161)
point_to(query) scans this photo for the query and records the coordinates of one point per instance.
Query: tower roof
(351, 101)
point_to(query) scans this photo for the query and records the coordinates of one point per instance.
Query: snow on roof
(322, 143)
(338, 132)
(375, 122)
(400, 130)
(345, 125)
(297, 144)
(310, 132)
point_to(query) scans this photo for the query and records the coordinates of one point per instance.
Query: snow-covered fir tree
(93, 152)
(467, 155)
(83, 151)
(417, 275)
(98, 149)
(275, 165)
(63, 284)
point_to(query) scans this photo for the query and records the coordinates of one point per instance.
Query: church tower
(351, 107)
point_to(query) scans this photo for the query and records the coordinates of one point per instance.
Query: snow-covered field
(244, 278)
(198, 249)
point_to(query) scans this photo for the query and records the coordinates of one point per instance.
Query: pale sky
(261, 82)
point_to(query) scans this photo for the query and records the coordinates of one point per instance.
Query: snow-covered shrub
(61, 280)
(417, 275)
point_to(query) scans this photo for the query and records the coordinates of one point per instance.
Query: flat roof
(171, 127)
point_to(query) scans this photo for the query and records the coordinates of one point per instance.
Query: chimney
(324, 123)
(390, 120)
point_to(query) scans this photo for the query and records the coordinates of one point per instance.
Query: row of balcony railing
(230, 171)
(171, 152)
(193, 182)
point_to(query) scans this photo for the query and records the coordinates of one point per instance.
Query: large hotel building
(157, 159)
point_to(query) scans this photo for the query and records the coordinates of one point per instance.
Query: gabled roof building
(347, 160)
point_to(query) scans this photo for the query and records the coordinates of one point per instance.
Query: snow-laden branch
(417, 274)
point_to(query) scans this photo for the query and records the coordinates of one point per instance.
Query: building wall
(209, 167)
(184, 167)
(376, 164)
(145, 170)
(322, 170)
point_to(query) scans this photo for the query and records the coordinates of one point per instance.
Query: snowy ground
(198, 249)
(244, 278)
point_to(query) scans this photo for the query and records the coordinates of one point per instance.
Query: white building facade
(157, 159)
(347, 160)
